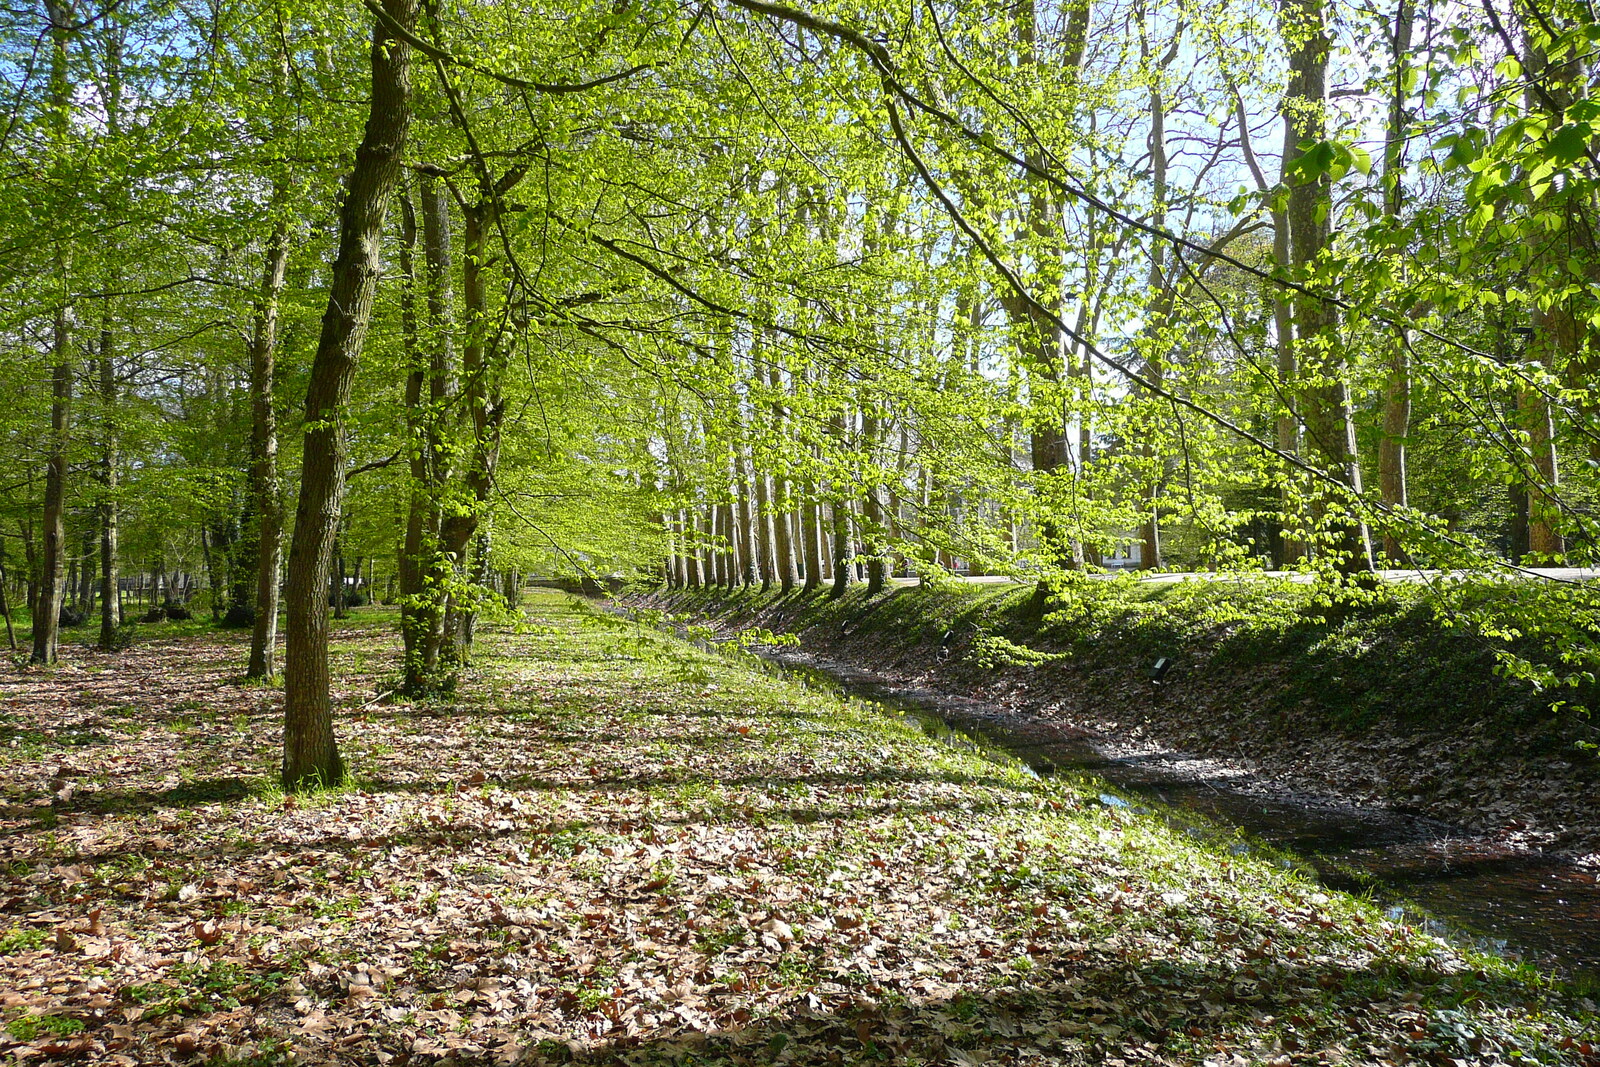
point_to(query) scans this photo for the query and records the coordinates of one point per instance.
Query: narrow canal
(1519, 903)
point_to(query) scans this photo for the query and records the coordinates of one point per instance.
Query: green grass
(1508, 656)
(29, 1027)
(21, 939)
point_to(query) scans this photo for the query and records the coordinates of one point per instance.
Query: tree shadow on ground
(536, 831)
(223, 789)
(1094, 1007)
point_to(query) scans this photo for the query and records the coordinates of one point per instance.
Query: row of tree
(747, 292)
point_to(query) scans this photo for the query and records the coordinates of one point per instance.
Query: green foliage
(202, 987)
(731, 272)
(22, 939)
(992, 652)
(28, 1027)
(760, 635)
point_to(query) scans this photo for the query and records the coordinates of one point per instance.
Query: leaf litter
(610, 847)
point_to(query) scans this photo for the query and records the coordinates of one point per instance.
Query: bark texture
(1397, 378)
(310, 753)
(47, 610)
(431, 390)
(110, 616)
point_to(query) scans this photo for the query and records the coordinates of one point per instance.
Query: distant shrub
(239, 617)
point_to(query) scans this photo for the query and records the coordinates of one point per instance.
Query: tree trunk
(782, 492)
(1287, 549)
(685, 560)
(1517, 534)
(267, 498)
(683, 573)
(1325, 398)
(482, 543)
(841, 552)
(1040, 336)
(213, 578)
(811, 540)
(711, 553)
(87, 570)
(311, 755)
(670, 557)
(821, 536)
(1557, 336)
(431, 390)
(1162, 289)
(30, 558)
(749, 519)
(47, 613)
(5, 602)
(1397, 380)
(1554, 332)
(783, 537)
(727, 570)
(703, 570)
(873, 520)
(110, 604)
(418, 610)
(340, 577)
(841, 547)
(481, 365)
(764, 519)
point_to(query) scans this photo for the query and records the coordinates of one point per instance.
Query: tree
(311, 755)
(1319, 357)
(47, 612)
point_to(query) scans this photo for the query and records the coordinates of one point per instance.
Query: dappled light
(590, 859)
(797, 532)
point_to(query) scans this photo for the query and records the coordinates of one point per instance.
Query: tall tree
(310, 754)
(1397, 374)
(1319, 352)
(47, 613)
(266, 493)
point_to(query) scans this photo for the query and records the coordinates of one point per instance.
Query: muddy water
(1515, 902)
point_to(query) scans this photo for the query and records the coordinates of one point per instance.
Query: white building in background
(1124, 555)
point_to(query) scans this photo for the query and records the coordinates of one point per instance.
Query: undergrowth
(1407, 655)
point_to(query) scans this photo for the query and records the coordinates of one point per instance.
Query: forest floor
(610, 846)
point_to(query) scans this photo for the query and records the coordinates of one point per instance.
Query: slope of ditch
(1383, 750)
(1381, 708)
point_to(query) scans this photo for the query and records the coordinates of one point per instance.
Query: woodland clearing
(609, 846)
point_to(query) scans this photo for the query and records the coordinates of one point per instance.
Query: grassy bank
(612, 847)
(1392, 660)
(1396, 700)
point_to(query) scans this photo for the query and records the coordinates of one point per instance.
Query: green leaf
(1570, 142)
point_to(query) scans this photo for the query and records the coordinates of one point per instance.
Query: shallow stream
(1518, 903)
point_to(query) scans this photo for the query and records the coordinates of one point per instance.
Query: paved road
(1559, 574)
